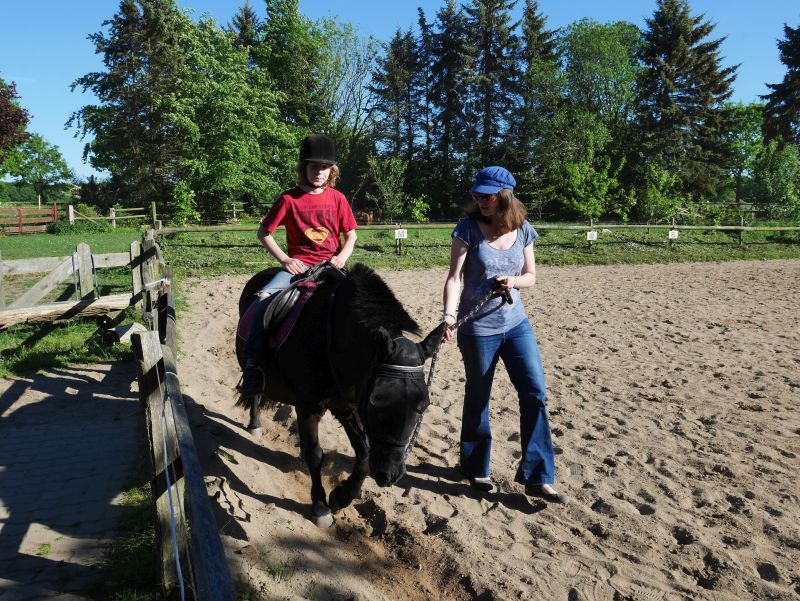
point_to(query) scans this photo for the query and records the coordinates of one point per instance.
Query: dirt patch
(673, 399)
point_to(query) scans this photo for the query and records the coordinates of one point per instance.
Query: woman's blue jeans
(280, 281)
(520, 354)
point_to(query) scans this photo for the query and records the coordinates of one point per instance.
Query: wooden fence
(82, 268)
(117, 214)
(25, 220)
(192, 557)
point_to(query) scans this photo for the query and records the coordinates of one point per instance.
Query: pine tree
(392, 84)
(494, 85)
(782, 110)
(245, 26)
(133, 135)
(540, 95)
(450, 67)
(682, 90)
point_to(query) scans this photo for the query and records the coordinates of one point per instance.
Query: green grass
(29, 348)
(225, 253)
(61, 245)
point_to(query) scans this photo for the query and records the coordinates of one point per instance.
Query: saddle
(285, 306)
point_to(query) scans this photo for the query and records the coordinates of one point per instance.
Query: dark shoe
(535, 490)
(252, 382)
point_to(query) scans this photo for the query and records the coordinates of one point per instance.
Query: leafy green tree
(235, 142)
(42, 166)
(776, 179)
(386, 176)
(495, 76)
(782, 110)
(658, 198)
(13, 120)
(745, 141)
(682, 88)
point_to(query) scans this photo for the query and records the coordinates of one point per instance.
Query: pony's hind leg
(349, 490)
(308, 426)
(255, 418)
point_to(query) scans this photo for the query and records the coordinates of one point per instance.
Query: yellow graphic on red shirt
(317, 235)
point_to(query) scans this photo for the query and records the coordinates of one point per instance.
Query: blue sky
(43, 44)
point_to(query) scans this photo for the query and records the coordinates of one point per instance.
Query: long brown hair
(333, 177)
(510, 215)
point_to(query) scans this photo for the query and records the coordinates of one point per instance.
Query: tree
(494, 82)
(776, 180)
(745, 141)
(290, 51)
(782, 110)
(245, 26)
(41, 165)
(392, 85)
(387, 177)
(540, 96)
(13, 120)
(134, 138)
(451, 64)
(682, 88)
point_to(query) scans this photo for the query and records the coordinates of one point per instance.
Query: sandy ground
(673, 397)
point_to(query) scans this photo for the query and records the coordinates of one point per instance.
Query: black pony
(346, 353)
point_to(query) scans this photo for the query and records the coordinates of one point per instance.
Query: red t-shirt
(314, 223)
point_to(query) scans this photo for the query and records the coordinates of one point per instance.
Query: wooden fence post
(154, 215)
(71, 214)
(19, 221)
(136, 273)
(167, 469)
(112, 213)
(84, 268)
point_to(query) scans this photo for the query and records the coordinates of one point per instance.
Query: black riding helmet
(318, 148)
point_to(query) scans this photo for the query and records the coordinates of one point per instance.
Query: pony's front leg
(309, 441)
(350, 489)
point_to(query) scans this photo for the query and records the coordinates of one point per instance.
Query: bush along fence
(25, 220)
(192, 559)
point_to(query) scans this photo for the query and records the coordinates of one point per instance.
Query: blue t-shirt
(482, 264)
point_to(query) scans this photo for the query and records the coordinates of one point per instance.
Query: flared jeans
(520, 354)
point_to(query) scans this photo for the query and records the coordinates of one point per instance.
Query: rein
(489, 296)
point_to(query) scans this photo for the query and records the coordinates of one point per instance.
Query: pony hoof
(258, 431)
(323, 521)
(338, 500)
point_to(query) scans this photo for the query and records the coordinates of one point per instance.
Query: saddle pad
(246, 321)
(281, 331)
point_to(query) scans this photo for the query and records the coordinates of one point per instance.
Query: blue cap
(492, 179)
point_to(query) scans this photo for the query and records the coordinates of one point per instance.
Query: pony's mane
(374, 304)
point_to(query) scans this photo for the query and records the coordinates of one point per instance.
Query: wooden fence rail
(24, 220)
(192, 557)
(82, 268)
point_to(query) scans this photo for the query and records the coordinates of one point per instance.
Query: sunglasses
(487, 197)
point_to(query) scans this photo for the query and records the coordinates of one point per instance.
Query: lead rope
(489, 296)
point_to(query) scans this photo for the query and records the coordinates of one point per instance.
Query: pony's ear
(433, 340)
(384, 342)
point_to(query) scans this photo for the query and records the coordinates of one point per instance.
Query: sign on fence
(591, 236)
(400, 234)
(673, 234)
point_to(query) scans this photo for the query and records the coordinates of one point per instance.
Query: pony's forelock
(375, 305)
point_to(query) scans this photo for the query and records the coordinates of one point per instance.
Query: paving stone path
(69, 440)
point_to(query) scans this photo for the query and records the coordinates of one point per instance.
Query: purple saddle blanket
(278, 329)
